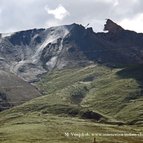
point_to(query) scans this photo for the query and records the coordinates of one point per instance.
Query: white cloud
(59, 13)
(116, 3)
(135, 23)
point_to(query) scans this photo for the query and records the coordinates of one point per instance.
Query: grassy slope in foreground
(46, 128)
(99, 89)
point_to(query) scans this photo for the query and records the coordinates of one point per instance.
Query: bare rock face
(112, 26)
(14, 91)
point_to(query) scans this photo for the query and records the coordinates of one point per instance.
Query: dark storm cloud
(24, 14)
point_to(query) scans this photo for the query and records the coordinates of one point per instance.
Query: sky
(16, 15)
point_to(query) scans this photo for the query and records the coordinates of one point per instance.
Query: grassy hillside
(46, 128)
(93, 99)
(109, 92)
(93, 92)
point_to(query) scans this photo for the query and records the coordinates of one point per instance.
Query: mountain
(31, 53)
(71, 79)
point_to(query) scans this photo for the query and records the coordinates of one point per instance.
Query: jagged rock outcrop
(112, 26)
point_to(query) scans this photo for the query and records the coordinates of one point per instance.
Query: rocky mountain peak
(31, 53)
(112, 27)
